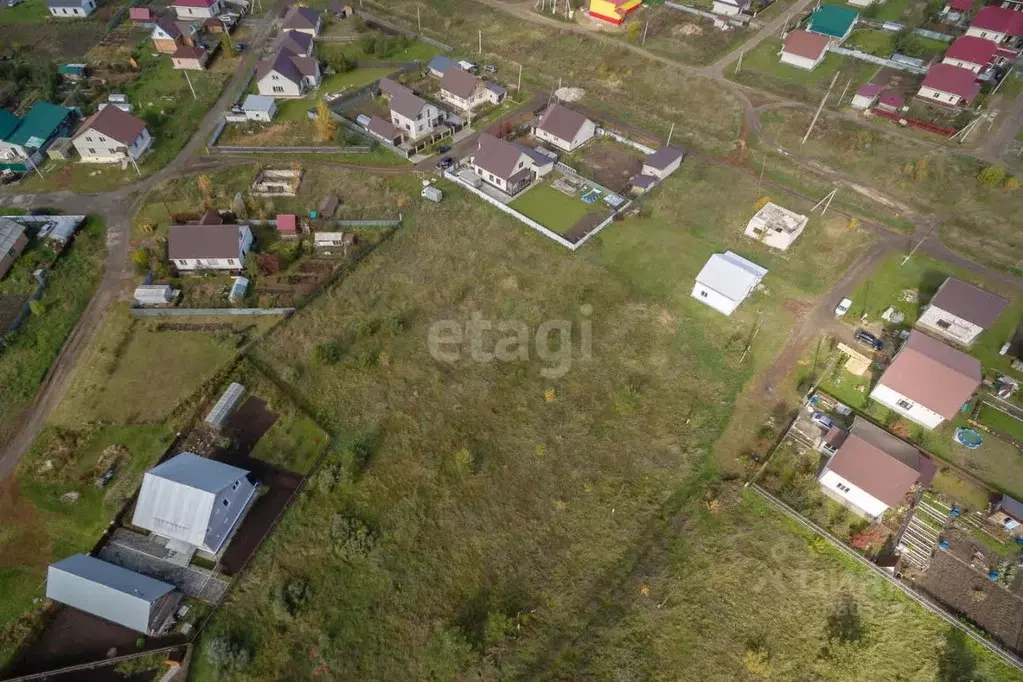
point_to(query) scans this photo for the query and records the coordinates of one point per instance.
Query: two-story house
(412, 115)
(198, 9)
(466, 92)
(77, 9)
(508, 166)
(928, 381)
(168, 35)
(971, 52)
(111, 136)
(287, 75)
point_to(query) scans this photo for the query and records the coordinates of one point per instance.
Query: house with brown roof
(872, 471)
(208, 246)
(928, 381)
(287, 75)
(112, 136)
(466, 92)
(383, 130)
(564, 128)
(169, 34)
(303, 19)
(960, 311)
(411, 114)
(508, 166)
(804, 50)
(190, 57)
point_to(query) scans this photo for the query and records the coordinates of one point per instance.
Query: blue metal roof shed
(110, 592)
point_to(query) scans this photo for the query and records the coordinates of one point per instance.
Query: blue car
(868, 339)
(822, 420)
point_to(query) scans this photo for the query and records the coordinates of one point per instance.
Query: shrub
(1011, 182)
(228, 655)
(296, 594)
(992, 176)
(353, 538)
(329, 352)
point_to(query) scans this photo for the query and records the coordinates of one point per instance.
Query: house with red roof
(999, 24)
(971, 52)
(804, 50)
(197, 9)
(112, 136)
(866, 95)
(287, 225)
(950, 86)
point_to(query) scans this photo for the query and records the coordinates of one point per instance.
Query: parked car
(868, 339)
(822, 420)
(239, 47)
(843, 307)
(444, 149)
(490, 68)
(445, 163)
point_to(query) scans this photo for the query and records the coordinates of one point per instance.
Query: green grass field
(31, 351)
(875, 42)
(552, 209)
(28, 12)
(295, 109)
(1002, 421)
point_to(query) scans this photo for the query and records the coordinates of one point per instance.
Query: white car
(843, 307)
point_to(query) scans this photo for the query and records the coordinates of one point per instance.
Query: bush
(992, 176)
(296, 594)
(353, 538)
(228, 655)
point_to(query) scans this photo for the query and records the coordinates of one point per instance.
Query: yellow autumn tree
(326, 126)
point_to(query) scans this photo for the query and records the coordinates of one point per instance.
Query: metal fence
(707, 15)
(360, 149)
(26, 309)
(626, 141)
(881, 61)
(208, 312)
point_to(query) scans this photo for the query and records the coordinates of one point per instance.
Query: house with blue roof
(24, 140)
(439, 64)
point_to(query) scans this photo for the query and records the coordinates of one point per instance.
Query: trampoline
(968, 438)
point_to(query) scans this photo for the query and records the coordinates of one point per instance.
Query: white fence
(738, 23)
(626, 141)
(856, 54)
(207, 312)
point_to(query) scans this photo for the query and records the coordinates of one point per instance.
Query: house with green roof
(833, 21)
(28, 137)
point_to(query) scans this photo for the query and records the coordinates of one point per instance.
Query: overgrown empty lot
(495, 518)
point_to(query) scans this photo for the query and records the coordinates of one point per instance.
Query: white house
(999, 24)
(302, 19)
(194, 502)
(112, 135)
(866, 96)
(776, 226)
(287, 75)
(508, 166)
(872, 471)
(259, 108)
(928, 381)
(64, 9)
(960, 311)
(208, 247)
(726, 280)
(949, 86)
(465, 91)
(804, 50)
(564, 128)
(412, 115)
(663, 162)
(198, 9)
(730, 8)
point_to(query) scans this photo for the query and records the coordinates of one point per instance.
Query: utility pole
(763, 166)
(819, 108)
(189, 81)
(481, 41)
(33, 164)
(844, 90)
(647, 25)
(1004, 78)
(738, 64)
(670, 132)
(419, 18)
(136, 164)
(518, 86)
(918, 244)
(826, 201)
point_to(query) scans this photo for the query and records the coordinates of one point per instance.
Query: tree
(992, 176)
(326, 126)
(140, 257)
(205, 187)
(632, 31)
(228, 655)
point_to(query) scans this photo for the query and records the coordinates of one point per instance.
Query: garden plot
(608, 163)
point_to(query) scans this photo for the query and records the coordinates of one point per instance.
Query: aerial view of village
(511, 339)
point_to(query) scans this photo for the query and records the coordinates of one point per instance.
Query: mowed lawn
(487, 516)
(295, 109)
(553, 209)
(1002, 421)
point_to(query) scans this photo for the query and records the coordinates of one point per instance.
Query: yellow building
(613, 11)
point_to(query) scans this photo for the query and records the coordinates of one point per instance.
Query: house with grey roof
(1007, 512)
(411, 114)
(112, 593)
(287, 74)
(663, 162)
(726, 280)
(71, 9)
(466, 92)
(259, 108)
(508, 166)
(303, 19)
(208, 247)
(12, 243)
(193, 502)
(960, 311)
(564, 128)
(384, 130)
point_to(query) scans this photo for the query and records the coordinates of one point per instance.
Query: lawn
(295, 109)
(896, 10)
(28, 12)
(26, 359)
(970, 496)
(485, 487)
(553, 209)
(416, 50)
(875, 42)
(1002, 421)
